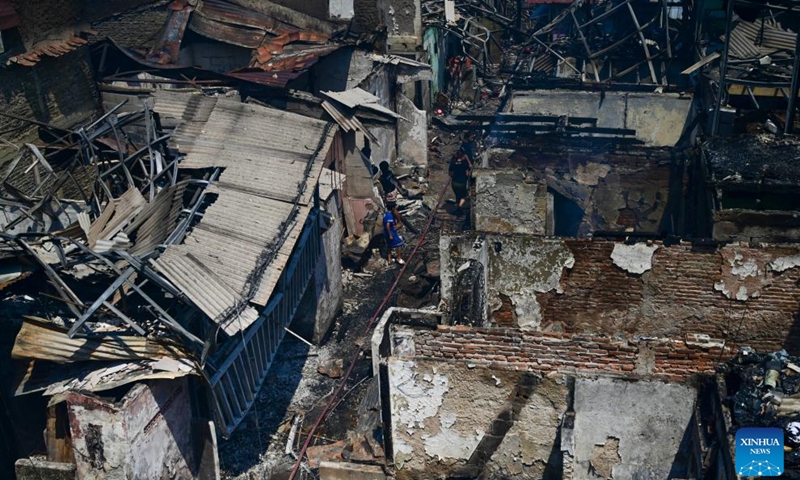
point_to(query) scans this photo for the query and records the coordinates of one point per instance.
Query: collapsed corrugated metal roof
(233, 24)
(263, 197)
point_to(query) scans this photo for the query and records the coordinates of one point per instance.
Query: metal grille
(236, 382)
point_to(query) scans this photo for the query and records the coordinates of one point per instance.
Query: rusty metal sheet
(226, 32)
(168, 45)
(42, 340)
(277, 79)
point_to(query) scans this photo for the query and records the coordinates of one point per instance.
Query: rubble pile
(766, 393)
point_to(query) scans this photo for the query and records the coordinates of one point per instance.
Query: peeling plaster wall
(509, 201)
(615, 192)
(442, 413)
(454, 254)
(519, 268)
(380, 85)
(412, 135)
(745, 295)
(659, 119)
(640, 424)
(146, 435)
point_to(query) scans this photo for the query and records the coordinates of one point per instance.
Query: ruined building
(193, 269)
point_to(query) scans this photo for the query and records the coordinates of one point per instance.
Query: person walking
(460, 169)
(393, 240)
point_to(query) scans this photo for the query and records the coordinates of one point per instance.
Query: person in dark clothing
(470, 146)
(390, 187)
(460, 168)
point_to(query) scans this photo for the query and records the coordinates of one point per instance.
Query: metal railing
(236, 382)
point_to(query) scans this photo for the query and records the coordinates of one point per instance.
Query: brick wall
(43, 18)
(513, 349)
(58, 91)
(676, 297)
(134, 28)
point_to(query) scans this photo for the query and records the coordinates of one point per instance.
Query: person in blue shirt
(393, 240)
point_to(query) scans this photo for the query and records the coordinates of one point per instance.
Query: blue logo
(759, 452)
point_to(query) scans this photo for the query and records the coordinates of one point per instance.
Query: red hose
(366, 332)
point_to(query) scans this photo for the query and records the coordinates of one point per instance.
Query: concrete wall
(328, 273)
(509, 202)
(630, 429)
(380, 84)
(739, 225)
(502, 403)
(745, 295)
(412, 135)
(146, 435)
(658, 119)
(449, 419)
(610, 192)
(403, 19)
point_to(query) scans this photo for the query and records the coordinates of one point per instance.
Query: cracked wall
(736, 293)
(148, 434)
(520, 267)
(412, 132)
(444, 416)
(510, 201)
(630, 429)
(613, 192)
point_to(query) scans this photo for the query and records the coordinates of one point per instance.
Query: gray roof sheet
(264, 154)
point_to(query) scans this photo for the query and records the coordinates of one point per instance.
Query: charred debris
(181, 180)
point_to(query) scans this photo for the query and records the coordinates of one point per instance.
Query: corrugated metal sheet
(227, 12)
(235, 230)
(232, 24)
(264, 154)
(259, 148)
(167, 47)
(348, 123)
(157, 220)
(278, 79)
(294, 61)
(8, 17)
(356, 97)
(40, 339)
(206, 290)
(754, 40)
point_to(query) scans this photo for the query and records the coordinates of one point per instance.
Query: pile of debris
(764, 391)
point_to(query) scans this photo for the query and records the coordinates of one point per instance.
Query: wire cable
(370, 324)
